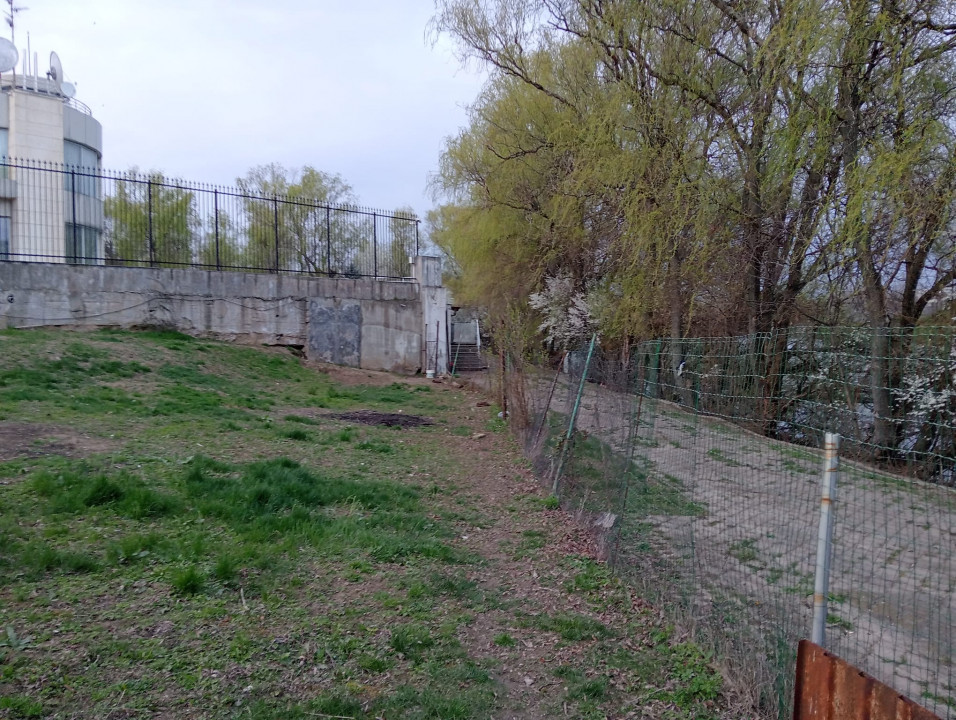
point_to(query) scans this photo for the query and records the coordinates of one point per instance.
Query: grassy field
(195, 529)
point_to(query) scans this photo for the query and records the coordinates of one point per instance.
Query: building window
(4, 237)
(83, 164)
(82, 244)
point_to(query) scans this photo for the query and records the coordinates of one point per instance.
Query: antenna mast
(11, 16)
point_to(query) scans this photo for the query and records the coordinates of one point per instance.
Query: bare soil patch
(371, 417)
(28, 440)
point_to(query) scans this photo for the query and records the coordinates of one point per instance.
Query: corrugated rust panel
(829, 688)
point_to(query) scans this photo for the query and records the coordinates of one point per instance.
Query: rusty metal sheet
(829, 688)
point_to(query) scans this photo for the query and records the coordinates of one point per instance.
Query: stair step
(466, 357)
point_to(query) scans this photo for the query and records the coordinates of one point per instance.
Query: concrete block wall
(358, 322)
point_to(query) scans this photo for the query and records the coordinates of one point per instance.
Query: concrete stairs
(468, 358)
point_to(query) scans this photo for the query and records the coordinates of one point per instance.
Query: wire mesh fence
(58, 213)
(699, 464)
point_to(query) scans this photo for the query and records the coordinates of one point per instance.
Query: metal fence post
(73, 210)
(328, 241)
(821, 583)
(417, 223)
(375, 258)
(573, 419)
(149, 223)
(215, 203)
(275, 226)
(656, 372)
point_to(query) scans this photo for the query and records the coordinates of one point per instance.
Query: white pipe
(821, 583)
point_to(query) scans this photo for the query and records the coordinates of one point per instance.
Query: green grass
(571, 627)
(744, 550)
(834, 620)
(412, 641)
(196, 525)
(301, 419)
(188, 581)
(531, 542)
(720, 456)
(797, 453)
(551, 503)
(86, 489)
(589, 576)
(653, 494)
(21, 707)
(296, 434)
(505, 640)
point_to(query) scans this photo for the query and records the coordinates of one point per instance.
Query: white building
(51, 198)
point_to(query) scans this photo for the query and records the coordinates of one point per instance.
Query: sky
(206, 89)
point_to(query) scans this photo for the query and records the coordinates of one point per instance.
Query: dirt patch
(25, 440)
(354, 376)
(371, 417)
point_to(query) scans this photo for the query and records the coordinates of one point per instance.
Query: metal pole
(503, 372)
(215, 197)
(539, 426)
(275, 226)
(821, 584)
(375, 271)
(573, 418)
(656, 372)
(454, 365)
(417, 223)
(73, 211)
(328, 241)
(149, 223)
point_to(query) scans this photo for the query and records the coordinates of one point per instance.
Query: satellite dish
(56, 71)
(68, 89)
(8, 55)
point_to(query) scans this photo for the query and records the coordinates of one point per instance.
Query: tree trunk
(884, 427)
(676, 328)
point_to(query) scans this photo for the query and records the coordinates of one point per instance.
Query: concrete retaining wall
(427, 270)
(363, 323)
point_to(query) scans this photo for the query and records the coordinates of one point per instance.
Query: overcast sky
(206, 89)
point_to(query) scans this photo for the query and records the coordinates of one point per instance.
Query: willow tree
(401, 243)
(543, 200)
(746, 138)
(507, 171)
(222, 246)
(899, 104)
(301, 220)
(150, 220)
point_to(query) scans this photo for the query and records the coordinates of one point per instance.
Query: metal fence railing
(700, 463)
(56, 213)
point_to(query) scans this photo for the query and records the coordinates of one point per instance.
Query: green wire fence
(698, 464)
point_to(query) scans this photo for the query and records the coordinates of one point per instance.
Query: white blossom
(567, 312)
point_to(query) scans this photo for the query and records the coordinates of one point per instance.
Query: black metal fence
(55, 213)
